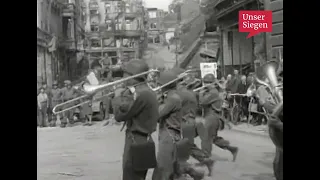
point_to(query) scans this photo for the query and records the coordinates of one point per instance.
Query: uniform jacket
(189, 102)
(171, 114)
(139, 109)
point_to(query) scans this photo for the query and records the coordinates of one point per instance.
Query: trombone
(215, 84)
(91, 90)
(180, 76)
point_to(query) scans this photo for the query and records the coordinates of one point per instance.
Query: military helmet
(209, 78)
(136, 66)
(166, 77)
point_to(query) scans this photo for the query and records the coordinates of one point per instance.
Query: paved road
(94, 153)
(160, 56)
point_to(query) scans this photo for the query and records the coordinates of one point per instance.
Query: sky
(160, 4)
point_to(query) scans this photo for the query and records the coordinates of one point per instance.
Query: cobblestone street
(94, 153)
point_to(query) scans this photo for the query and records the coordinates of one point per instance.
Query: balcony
(43, 38)
(70, 44)
(132, 15)
(91, 35)
(126, 33)
(110, 49)
(68, 10)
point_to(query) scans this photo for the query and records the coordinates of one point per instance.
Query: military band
(181, 108)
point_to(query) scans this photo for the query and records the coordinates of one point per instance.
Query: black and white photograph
(159, 90)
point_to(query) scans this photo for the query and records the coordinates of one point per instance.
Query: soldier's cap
(95, 63)
(166, 77)
(209, 78)
(136, 66)
(55, 83)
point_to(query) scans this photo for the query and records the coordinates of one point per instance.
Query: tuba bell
(268, 71)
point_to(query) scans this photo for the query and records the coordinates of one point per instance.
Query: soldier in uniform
(191, 129)
(68, 94)
(139, 112)
(211, 103)
(55, 100)
(170, 162)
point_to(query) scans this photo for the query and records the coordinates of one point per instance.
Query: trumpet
(91, 90)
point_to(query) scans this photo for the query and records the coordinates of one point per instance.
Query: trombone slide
(77, 105)
(91, 89)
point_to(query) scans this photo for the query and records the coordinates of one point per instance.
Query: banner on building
(208, 68)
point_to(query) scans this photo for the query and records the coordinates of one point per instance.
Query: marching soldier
(171, 160)
(211, 103)
(55, 99)
(190, 129)
(68, 94)
(139, 112)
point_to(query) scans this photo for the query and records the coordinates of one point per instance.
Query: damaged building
(59, 39)
(155, 25)
(115, 32)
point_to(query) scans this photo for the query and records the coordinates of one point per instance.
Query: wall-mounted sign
(208, 68)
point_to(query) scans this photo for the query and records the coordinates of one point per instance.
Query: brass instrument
(91, 90)
(215, 85)
(194, 84)
(180, 76)
(269, 71)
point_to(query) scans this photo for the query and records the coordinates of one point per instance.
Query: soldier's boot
(195, 172)
(209, 163)
(206, 162)
(234, 150)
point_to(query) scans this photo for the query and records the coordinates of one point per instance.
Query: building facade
(274, 40)
(115, 30)
(155, 25)
(56, 36)
(236, 51)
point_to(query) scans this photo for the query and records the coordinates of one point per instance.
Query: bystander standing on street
(43, 103)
